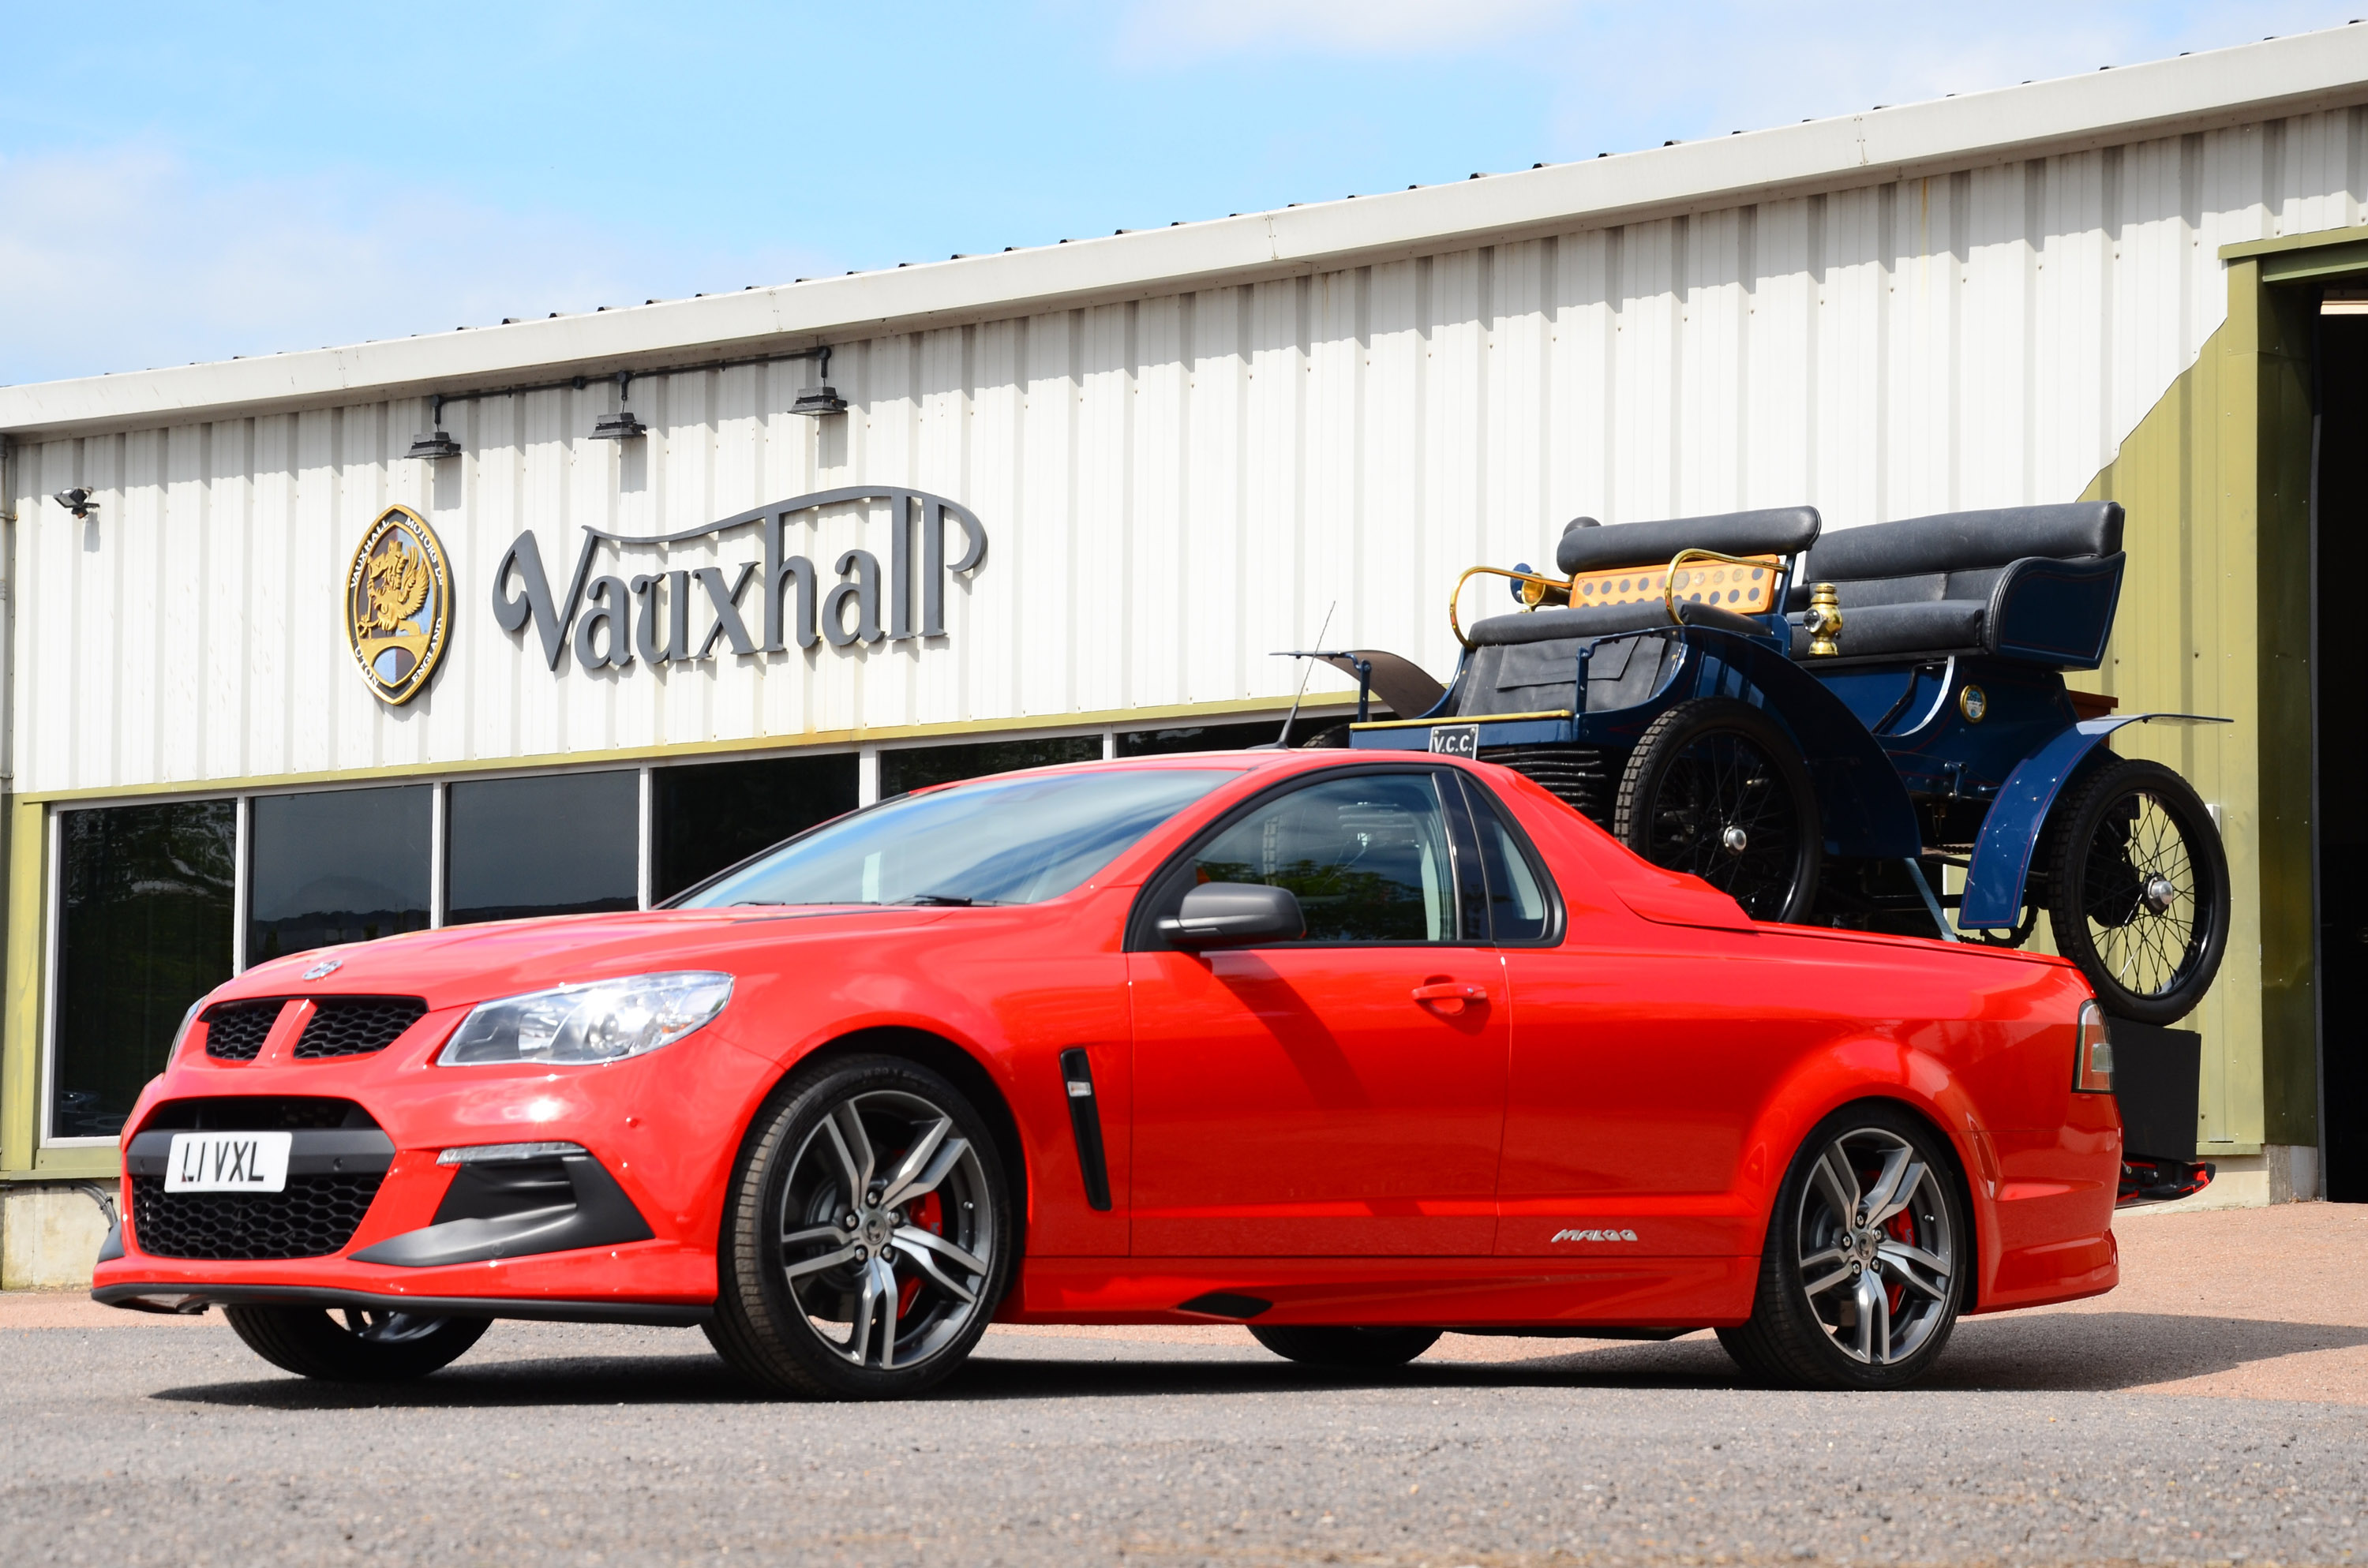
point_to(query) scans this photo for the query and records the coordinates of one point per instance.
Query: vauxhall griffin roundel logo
(398, 605)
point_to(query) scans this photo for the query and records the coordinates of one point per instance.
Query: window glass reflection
(340, 865)
(144, 914)
(916, 767)
(563, 844)
(1367, 857)
(709, 815)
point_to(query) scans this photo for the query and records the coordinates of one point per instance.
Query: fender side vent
(1225, 1304)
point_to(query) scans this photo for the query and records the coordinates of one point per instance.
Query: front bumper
(623, 1233)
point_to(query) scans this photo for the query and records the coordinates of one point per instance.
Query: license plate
(1455, 740)
(228, 1162)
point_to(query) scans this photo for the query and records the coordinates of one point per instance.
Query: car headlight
(2092, 1058)
(605, 1020)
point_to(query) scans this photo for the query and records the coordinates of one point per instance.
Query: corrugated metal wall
(1173, 487)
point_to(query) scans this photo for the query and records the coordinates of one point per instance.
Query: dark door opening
(2340, 658)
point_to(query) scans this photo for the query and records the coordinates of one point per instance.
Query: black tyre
(2138, 890)
(1347, 1348)
(352, 1345)
(1865, 1264)
(867, 1236)
(1716, 787)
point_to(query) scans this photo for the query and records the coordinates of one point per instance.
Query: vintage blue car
(1825, 725)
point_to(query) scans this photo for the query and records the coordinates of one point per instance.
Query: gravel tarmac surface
(2209, 1412)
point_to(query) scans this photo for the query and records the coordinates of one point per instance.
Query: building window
(915, 768)
(340, 865)
(144, 919)
(710, 816)
(1205, 737)
(560, 843)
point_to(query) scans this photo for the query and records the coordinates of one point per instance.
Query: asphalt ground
(2213, 1410)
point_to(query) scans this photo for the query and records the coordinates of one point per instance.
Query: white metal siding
(1172, 486)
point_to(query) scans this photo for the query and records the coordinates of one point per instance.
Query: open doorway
(2340, 522)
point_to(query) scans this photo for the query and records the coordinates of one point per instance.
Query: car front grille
(234, 1030)
(355, 1026)
(314, 1218)
(1579, 776)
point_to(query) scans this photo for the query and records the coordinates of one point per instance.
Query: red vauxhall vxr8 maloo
(1351, 1051)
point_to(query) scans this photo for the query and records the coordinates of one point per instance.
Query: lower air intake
(314, 1218)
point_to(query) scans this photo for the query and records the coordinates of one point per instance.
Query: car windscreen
(1019, 840)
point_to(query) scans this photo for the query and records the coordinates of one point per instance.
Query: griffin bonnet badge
(398, 605)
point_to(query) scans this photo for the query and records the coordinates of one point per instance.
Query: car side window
(1367, 857)
(1521, 909)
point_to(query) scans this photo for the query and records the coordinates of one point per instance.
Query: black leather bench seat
(2037, 583)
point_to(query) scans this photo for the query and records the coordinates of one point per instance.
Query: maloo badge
(398, 605)
(1604, 1235)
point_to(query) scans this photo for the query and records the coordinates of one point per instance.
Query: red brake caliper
(931, 1217)
(1902, 1227)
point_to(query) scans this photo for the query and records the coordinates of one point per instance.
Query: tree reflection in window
(144, 911)
(1366, 856)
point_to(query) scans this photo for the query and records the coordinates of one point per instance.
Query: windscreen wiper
(945, 901)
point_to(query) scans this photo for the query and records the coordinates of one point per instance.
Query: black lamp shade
(623, 427)
(819, 401)
(434, 444)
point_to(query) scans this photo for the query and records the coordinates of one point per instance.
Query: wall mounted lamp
(624, 427)
(435, 443)
(820, 399)
(76, 500)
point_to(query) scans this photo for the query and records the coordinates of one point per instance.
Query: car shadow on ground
(2088, 1352)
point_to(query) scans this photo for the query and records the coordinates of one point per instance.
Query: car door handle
(1450, 996)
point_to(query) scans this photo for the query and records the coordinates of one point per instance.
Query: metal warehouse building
(633, 594)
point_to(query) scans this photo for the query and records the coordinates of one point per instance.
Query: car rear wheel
(1716, 787)
(354, 1346)
(2139, 891)
(1864, 1270)
(868, 1235)
(1346, 1348)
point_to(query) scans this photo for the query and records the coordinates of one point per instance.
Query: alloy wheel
(1877, 1253)
(886, 1239)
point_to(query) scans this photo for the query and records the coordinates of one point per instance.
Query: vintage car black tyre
(1867, 1257)
(1715, 787)
(1347, 1349)
(871, 1194)
(354, 1347)
(2138, 890)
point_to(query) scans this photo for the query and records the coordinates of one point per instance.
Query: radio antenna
(1305, 671)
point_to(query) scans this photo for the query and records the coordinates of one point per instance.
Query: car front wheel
(1865, 1268)
(867, 1236)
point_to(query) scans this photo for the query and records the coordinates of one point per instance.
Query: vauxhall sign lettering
(610, 621)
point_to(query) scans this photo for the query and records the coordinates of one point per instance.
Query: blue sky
(183, 183)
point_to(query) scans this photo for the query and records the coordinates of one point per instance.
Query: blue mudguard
(1865, 807)
(2001, 862)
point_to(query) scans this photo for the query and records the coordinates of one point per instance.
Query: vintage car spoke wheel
(1716, 787)
(2139, 891)
(866, 1240)
(1345, 1349)
(354, 1346)
(1863, 1272)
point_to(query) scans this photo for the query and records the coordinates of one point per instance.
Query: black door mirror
(1235, 915)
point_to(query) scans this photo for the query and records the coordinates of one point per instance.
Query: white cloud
(1176, 32)
(131, 257)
